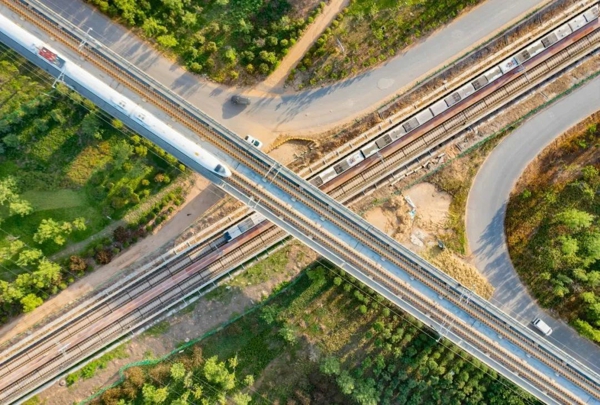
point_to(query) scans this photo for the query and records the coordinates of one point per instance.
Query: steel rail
(401, 154)
(142, 309)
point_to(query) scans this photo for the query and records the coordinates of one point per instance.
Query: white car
(542, 326)
(254, 142)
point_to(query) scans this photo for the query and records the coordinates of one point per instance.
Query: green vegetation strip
(184, 346)
(553, 230)
(67, 171)
(369, 32)
(324, 339)
(229, 41)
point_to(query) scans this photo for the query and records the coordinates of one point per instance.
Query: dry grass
(465, 273)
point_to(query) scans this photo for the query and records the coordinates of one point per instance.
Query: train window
(410, 124)
(452, 99)
(383, 141)
(549, 40)
(479, 82)
(317, 182)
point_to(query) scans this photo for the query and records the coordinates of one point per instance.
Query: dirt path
(202, 196)
(274, 83)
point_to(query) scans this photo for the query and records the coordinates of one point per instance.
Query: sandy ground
(202, 196)
(205, 316)
(419, 230)
(420, 233)
(288, 152)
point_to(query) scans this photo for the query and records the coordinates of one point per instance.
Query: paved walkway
(486, 210)
(309, 111)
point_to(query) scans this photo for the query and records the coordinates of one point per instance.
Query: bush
(77, 263)
(103, 256)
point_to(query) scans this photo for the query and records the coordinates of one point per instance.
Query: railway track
(388, 250)
(108, 322)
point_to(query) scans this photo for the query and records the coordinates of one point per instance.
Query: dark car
(241, 100)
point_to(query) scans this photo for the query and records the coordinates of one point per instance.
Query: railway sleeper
(150, 307)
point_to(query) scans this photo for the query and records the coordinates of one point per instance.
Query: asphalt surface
(486, 210)
(311, 110)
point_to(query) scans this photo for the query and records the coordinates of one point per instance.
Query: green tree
(9, 292)
(47, 274)
(217, 373)
(189, 19)
(177, 371)
(365, 392)
(168, 41)
(153, 395)
(152, 28)
(121, 152)
(346, 382)
(29, 256)
(574, 219)
(249, 380)
(20, 207)
(288, 334)
(569, 245)
(330, 366)
(79, 224)
(31, 302)
(49, 229)
(240, 398)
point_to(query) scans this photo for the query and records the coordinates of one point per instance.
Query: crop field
(369, 32)
(323, 340)
(229, 41)
(66, 172)
(553, 228)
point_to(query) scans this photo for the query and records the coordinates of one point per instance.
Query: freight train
(103, 91)
(453, 99)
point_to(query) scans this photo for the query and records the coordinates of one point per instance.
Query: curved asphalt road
(311, 110)
(486, 209)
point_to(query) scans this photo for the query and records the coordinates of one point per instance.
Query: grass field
(370, 32)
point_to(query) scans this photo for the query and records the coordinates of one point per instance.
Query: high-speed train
(126, 106)
(457, 96)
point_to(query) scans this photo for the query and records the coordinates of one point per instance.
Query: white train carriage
(243, 226)
(438, 107)
(424, 116)
(592, 14)
(508, 65)
(350, 161)
(369, 149)
(556, 35)
(577, 22)
(529, 52)
(323, 177)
